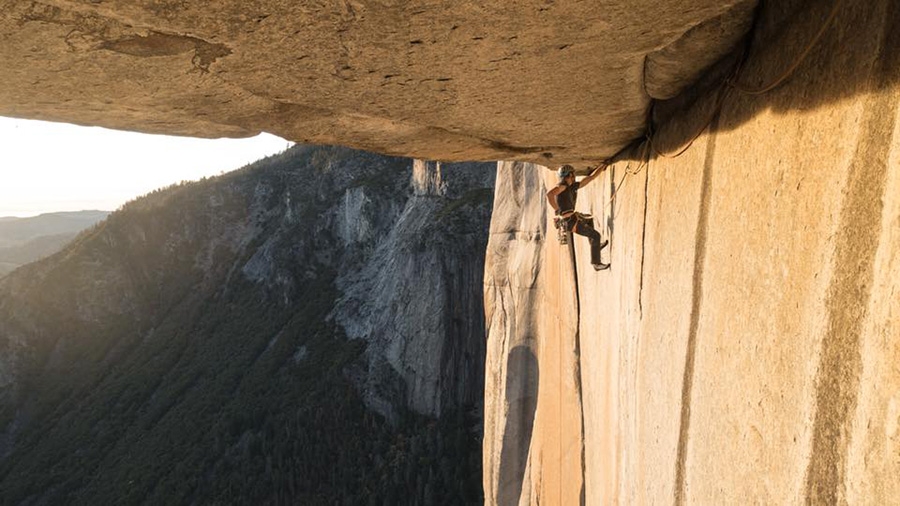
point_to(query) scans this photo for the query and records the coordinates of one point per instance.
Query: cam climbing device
(563, 228)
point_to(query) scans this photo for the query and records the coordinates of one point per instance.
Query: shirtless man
(562, 198)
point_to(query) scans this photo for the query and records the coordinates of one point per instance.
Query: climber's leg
(586, 229)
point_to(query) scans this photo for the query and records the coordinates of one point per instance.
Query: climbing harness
(565, 225)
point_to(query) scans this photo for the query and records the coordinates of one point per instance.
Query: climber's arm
(590, 177)
(552, 194)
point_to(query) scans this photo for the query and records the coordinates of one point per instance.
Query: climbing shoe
(601, 267)
(603, 244)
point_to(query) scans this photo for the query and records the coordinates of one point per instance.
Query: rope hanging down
(645, 162)
(790, 70)
(730, 82)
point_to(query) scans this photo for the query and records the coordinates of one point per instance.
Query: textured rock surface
(533, 444)
(414, 299)
(743, 348)
(435, 79)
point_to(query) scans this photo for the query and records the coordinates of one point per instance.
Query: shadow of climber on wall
(562, 199)
(522, 382)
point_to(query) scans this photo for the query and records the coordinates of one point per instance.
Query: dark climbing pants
(585, 226)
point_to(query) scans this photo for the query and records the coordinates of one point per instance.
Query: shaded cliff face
(435, 79)
(414, 294)
(743, 348)
(185, 350)
(417, 299)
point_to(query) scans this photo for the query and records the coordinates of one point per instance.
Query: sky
(49, 167)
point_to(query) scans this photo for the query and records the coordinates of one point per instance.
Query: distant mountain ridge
(193, 347)
(24, 240)
(16, 231)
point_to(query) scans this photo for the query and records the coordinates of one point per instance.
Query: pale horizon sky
(50, 167)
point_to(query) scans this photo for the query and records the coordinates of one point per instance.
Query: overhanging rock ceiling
(541, 81)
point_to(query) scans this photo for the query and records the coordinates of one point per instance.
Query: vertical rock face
(533, 425)
(413, 298)
(743, 348)
(426, 179)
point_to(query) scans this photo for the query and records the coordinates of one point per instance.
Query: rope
(645, 162)
(728, 83)
(559, 368)
(790, 70)
(731, 82)
(720, 100)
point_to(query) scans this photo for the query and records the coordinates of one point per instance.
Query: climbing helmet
(565, 171)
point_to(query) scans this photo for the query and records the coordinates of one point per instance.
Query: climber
(562, 198)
